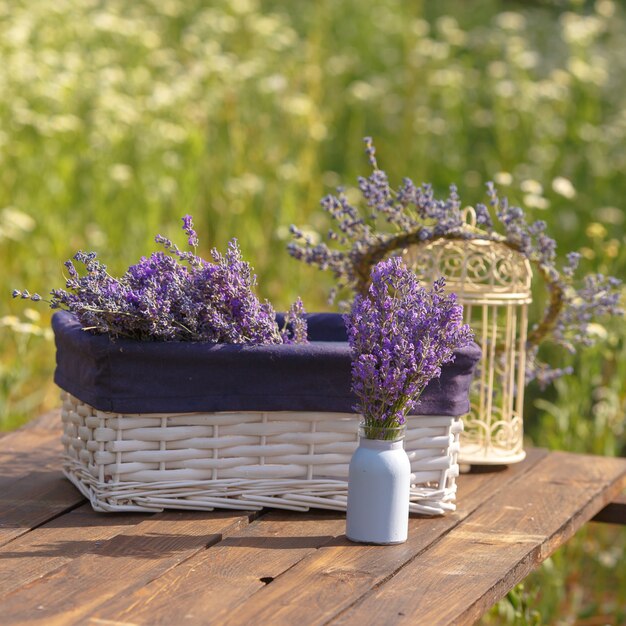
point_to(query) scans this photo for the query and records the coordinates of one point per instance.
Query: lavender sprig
(295, 327)
(401, 335)
(192, 239)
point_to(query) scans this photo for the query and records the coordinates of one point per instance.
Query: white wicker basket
(244, 460)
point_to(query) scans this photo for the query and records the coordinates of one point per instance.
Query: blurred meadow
(117, 118)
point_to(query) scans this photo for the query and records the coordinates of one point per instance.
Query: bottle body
(379, 482)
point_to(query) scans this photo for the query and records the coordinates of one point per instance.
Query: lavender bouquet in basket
(174, 295)
(400, 334)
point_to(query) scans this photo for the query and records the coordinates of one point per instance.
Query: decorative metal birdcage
(493, 282)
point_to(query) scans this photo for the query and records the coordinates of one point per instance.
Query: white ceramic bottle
(378, 488)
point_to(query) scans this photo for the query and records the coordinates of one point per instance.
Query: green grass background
(117, 118)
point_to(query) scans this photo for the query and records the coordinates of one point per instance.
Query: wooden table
(61, 563)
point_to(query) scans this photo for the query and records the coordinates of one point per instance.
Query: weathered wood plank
(120, 565)
(337, 574)
(32, 488)
(32, 501)
(50, 421)
(40, 455)
(614, 512)
(206, 587)
(459, 577)
(34, 447)
(46, 425)
(54, 544)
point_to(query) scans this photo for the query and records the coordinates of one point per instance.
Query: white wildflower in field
(503, 178)
(531, 186)
(511, 20)
(564, 187)
(534, 201)
(581, 29)
(14, 224)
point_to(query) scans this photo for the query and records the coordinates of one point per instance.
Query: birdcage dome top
(477, 270)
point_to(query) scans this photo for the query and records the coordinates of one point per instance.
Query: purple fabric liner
(126, 376)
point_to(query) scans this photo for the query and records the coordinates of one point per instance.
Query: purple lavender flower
(400, 334)
(191, 233)
(370, 151)
(483, 218)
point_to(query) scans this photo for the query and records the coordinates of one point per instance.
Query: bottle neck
(381, 444)
(375, 432)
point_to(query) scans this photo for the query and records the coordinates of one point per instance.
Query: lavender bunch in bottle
(400, 334)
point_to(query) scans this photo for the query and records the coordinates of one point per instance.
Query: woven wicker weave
(248, 460)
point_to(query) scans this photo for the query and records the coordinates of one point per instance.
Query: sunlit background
(117, 118)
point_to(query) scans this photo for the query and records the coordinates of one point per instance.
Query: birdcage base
(475, 455)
